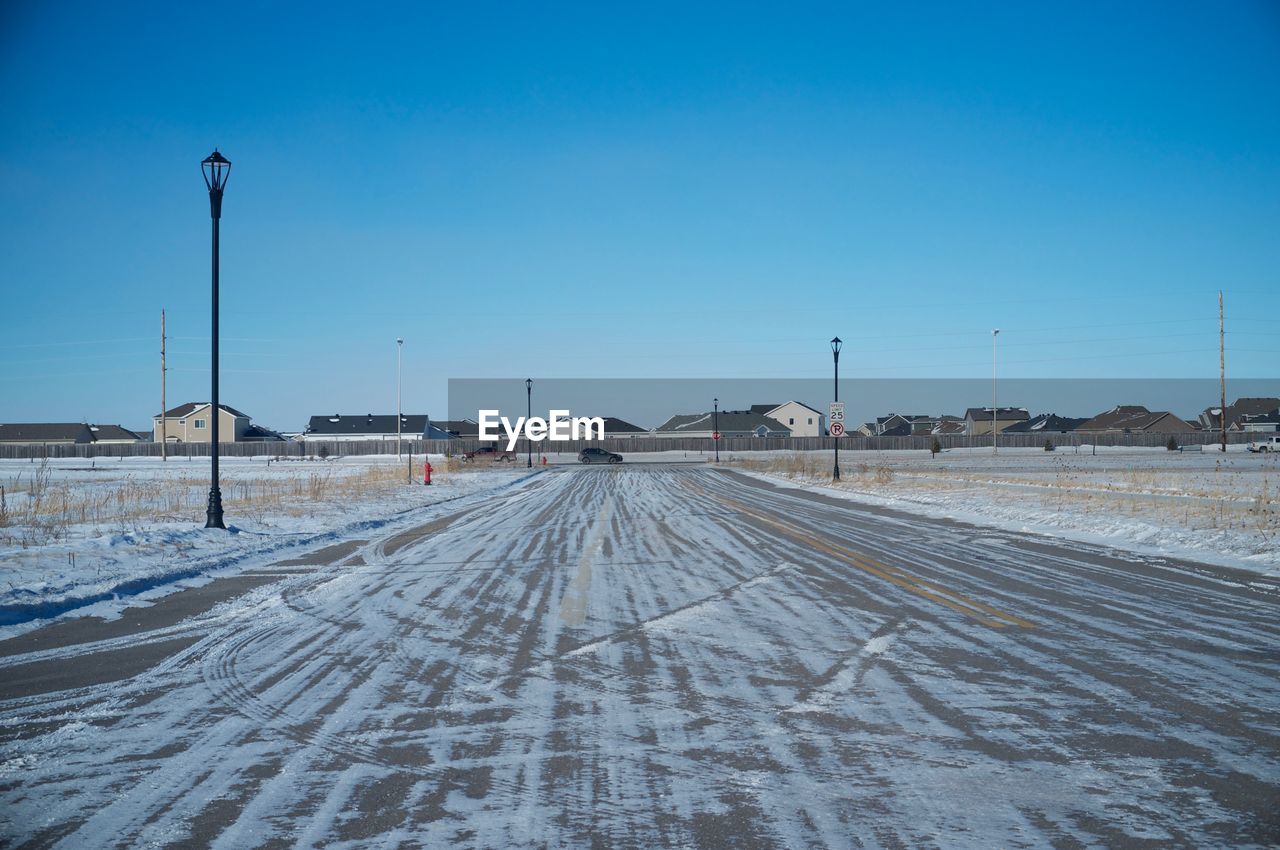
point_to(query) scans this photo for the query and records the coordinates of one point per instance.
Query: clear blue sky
(642, 190)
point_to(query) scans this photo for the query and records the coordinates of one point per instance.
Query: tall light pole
(399, 416)
(715, 426)
(216, 168)
(994, 409)
(836, 345)
(528, 398)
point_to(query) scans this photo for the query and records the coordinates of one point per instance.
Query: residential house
(619, 429)
(114, 435)
(732, 423)
(192, 423)
(978, 420)
(897, 424)
(1211, 418)
(1259, 422)
(801, 419)
(1135, 419)
(914, 425)
(615, 428)
(46, 433)
(66, 433)
(948, 426)
(370, 426)
(1045, 423)
(460, 428)
(259, 434)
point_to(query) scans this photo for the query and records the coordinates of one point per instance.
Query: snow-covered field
(94, 535)
(664, 656)
(1207, 506)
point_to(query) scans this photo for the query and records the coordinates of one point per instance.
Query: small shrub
(324, 451)
(1172, 445)
(1048, 445)
(935, 448)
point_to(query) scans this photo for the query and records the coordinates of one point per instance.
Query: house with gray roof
(1211, 418)
(1135, 419)
(615, 428)
(914, 425)
(1259, 422)
(978, 420)
(732, 423)
(372, 426)
(66, 434)
(799, 418)
(948, 426)
(1045, 423)
(46, 433)
(192, 423)
(460, 428)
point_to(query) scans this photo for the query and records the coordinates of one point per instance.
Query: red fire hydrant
(426, 473)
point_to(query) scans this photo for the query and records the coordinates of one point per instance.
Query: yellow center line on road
(924, 588)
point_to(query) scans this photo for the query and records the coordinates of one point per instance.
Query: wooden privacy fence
(623, 446)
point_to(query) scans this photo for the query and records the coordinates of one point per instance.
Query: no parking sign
(836, 418)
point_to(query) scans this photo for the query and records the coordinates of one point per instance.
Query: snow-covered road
(660, 657)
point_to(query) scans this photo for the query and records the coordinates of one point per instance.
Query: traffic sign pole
(715, 428)
(836, 407)
(835, 418)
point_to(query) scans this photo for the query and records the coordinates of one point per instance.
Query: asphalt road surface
(660, 657)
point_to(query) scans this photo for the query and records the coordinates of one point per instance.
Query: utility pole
(1222, 373)
(399, 415)
(164, 441)
(994, 409)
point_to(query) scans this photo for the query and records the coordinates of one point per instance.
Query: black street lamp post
(216, 168)
(715, 436)
(835, 441)
(528, 397)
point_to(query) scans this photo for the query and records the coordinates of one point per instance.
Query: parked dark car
(598, 456)
(492, 453)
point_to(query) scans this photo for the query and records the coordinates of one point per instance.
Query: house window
(200, 423)
(791, 421)
(810, 420)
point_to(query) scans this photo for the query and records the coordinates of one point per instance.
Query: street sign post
(835, 427)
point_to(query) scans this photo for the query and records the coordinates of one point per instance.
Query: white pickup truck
(1265, 444)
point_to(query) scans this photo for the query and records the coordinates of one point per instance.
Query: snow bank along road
(660, 657)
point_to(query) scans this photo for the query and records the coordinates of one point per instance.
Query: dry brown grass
(1191, 500)
(34, 509)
